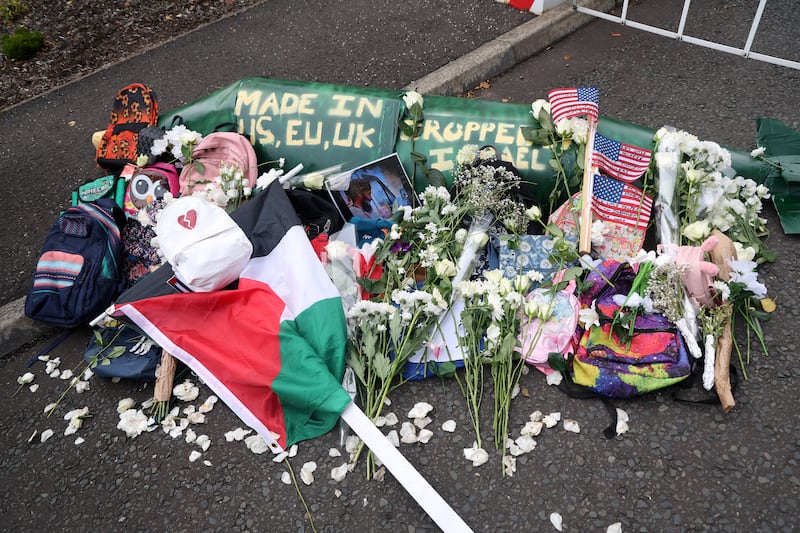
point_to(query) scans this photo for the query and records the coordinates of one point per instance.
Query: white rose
(533, 213)
(493, 332)
(538, 106)
(697, 231)
(580, 130)
(411, 98)
(758, 152)
(564, 127)
(314, 181)
(744, 253)
(445, 268)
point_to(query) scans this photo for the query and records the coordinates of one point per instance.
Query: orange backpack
(135, 108)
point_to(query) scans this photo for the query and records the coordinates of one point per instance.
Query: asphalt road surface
(680, 467)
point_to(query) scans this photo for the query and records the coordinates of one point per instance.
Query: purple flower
(400, 247)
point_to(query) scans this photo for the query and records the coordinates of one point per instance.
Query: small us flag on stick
(620, 202)
(571, 102)
(623, 161)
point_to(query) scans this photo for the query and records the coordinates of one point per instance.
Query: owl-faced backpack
(135, 108)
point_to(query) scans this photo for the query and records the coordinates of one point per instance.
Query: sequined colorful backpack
(652, 357)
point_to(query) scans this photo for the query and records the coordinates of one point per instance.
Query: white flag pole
(404, 472)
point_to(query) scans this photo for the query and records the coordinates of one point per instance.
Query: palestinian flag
(273, 348)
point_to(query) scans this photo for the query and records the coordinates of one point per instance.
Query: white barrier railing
(679, 35)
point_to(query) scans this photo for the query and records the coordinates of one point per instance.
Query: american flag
(620, 202)
(623, 161)
(570, 102)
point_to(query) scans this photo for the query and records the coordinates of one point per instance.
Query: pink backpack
(218, 147)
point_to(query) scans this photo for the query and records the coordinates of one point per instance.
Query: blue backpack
(78, 274)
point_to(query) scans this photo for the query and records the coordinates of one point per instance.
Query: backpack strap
(50, 347)
(573, 390)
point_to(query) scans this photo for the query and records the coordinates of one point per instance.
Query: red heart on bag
(189, 219)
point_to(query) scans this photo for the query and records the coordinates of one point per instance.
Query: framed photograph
(376, 190)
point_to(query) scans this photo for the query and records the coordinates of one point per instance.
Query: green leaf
(406, 129)
(358, 367)
(435, 178)
(105, 362)
(508, 344)
(115, 352)
(445, 370)
(372, 286)
(382, 366)
(556, 361)
(418, 158)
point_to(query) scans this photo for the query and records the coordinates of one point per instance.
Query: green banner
(321, 125)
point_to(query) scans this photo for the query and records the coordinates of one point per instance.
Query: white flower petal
(510, 464)
(422, 422)
(256, 444)
(307, 476)
(293, 450)
(551, 420)
(526, 443)
(204, 441)
(420, 410)
(424, 435)
(449, 426)
(478, 456)
(279, 457)
(408, 433)
(391, 419)
(536, 416)
(186, 391)
(554, 378)
(351, 444)
(393, 438)
(46, 434)
(556, 520)
(125, 404)
(196, 418)
(190, 436)
(338, 473)
(286, 478)
(334, 452)
(208, 405)
(616, 527)
(34, 387)
(571, 425)
(194, 456)
(207, 462)
(79, 441)
(532, 428)
(237, 434)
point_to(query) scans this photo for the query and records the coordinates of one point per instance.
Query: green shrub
(22, 44)
(11, 10)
